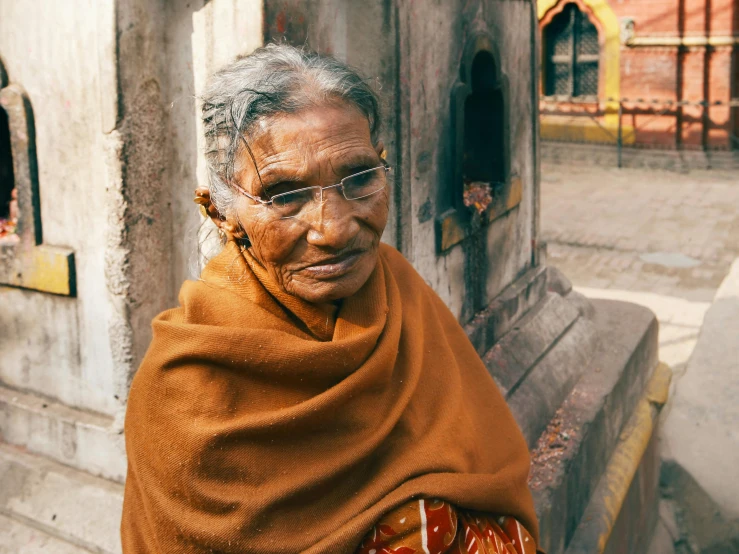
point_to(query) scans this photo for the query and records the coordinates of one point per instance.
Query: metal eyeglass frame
(337, 185)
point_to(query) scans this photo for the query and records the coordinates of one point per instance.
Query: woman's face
(329, 251)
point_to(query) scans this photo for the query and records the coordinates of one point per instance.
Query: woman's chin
(324, 288)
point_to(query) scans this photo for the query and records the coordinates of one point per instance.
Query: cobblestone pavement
(662, 239)
(600, 224)
(666, 240)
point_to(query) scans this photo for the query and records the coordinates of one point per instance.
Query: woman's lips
(334, 267)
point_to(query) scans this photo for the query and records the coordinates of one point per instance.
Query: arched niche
(481, 188)
(25, 261)
(484, 142)
(8, 204)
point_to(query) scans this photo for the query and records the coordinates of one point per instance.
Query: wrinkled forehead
(310, 144)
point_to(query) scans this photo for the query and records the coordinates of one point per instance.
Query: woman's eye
(363, 179)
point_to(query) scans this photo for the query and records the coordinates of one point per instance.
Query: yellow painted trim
(583, 129)
(43, 268)
(515, 195)
(611, 57)
(49, 270)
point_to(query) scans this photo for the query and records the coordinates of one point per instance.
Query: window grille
(571, 54)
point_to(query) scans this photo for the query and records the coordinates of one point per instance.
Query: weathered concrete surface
(501, 315)
(78, 510)
(622, 512)
(666, 533)
(599, 223)
(701, 431)
(141, 234)
(538, 368)
(107, 101)
(85, 440)
(52, 345)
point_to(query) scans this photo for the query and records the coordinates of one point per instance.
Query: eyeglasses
(354, 187)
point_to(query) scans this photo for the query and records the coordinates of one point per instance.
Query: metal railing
(653, 109)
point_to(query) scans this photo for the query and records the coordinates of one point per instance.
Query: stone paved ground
(599, 223)
(667, 240)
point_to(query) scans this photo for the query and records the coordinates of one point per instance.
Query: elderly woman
(312, 393)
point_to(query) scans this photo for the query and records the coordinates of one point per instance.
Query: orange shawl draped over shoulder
(261, 423)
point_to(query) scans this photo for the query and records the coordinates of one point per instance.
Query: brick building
(674, 62)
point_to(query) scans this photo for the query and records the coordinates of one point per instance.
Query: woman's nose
(332, 224)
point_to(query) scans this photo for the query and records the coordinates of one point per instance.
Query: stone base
(623, 511)
(572, 454)
(577, 375)
(17, 537)
(83, 440)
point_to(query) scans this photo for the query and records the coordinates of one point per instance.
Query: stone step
(623, 511)
(87, 441)
(539, 361)
(15, 538)
(44, 502)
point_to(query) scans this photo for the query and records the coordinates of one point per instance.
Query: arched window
(571, 54)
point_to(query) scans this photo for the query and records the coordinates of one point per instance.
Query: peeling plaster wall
(57, 346)
(166, 52)
(145, 226)
(113, 87)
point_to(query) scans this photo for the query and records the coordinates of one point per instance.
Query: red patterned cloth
(437, 527)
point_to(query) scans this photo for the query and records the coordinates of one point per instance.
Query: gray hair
(272, 80)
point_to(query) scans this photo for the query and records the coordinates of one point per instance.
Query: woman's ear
(202, 197)
(226, 228)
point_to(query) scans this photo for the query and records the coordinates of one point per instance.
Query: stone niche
(25, 261)
(460, 80)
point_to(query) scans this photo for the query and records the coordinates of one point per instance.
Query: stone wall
(56, 346)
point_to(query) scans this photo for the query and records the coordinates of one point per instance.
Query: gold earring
(383, 155)
(202, 199)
